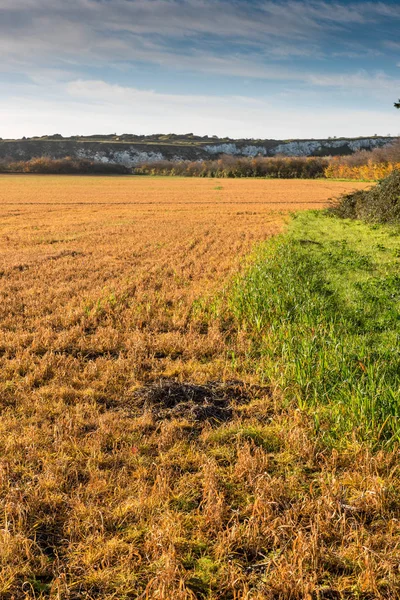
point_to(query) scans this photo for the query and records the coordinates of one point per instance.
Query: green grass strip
(322, 307)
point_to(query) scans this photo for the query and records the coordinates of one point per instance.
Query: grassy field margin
(321, 304)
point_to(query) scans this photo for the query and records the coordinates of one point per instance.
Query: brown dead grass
(107, 297)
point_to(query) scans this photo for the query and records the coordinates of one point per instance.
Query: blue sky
(249, 68)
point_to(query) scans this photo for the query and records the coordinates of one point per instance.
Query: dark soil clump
(214, 401)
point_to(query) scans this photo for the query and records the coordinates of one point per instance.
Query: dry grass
(107, 286)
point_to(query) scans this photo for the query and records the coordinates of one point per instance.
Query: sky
(237, 68)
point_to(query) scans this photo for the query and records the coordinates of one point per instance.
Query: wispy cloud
(121, 29)
(392, 45)
(315, 47)
(93, 106)
(360, 80)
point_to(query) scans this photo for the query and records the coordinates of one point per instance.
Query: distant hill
(129, 149)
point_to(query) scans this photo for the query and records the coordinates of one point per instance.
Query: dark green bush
(380, 204)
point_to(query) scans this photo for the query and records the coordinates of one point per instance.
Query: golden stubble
(108, 283)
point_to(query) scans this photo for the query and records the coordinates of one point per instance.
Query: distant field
(59, 189)
(111, 218)
(109, 283)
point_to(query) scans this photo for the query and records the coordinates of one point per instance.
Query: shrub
(379, 204)
(60, 166)
(368, 172)
(367, 165)
(232, 167)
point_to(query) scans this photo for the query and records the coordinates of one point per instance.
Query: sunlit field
(143, 454)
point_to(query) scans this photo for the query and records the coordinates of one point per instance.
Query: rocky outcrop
(132, 153)
(300, 147)
(127, 157)
(235, 150)
(328, 147)
(128, 154)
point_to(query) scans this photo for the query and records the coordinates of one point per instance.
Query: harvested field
(140, 456)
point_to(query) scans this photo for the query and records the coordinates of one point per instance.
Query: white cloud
(375, 82)
(57, 42)
(86, 107)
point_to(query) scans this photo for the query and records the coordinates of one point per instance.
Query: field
(144, 451)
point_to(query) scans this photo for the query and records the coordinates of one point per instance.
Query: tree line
(363, 165)
(62, 166)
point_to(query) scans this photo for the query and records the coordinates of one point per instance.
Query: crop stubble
(104, 283)
(113, 265)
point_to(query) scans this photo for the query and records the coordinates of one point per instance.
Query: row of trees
(368, 165)
(59, 166)
(368, 172)
(229, 166)
(365, 165)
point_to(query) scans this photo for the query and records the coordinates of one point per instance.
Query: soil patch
(214, 401)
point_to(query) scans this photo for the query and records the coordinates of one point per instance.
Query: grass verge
(322, 307)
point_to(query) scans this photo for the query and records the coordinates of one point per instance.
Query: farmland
(147, 448)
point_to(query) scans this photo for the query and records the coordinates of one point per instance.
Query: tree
(397, 104)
